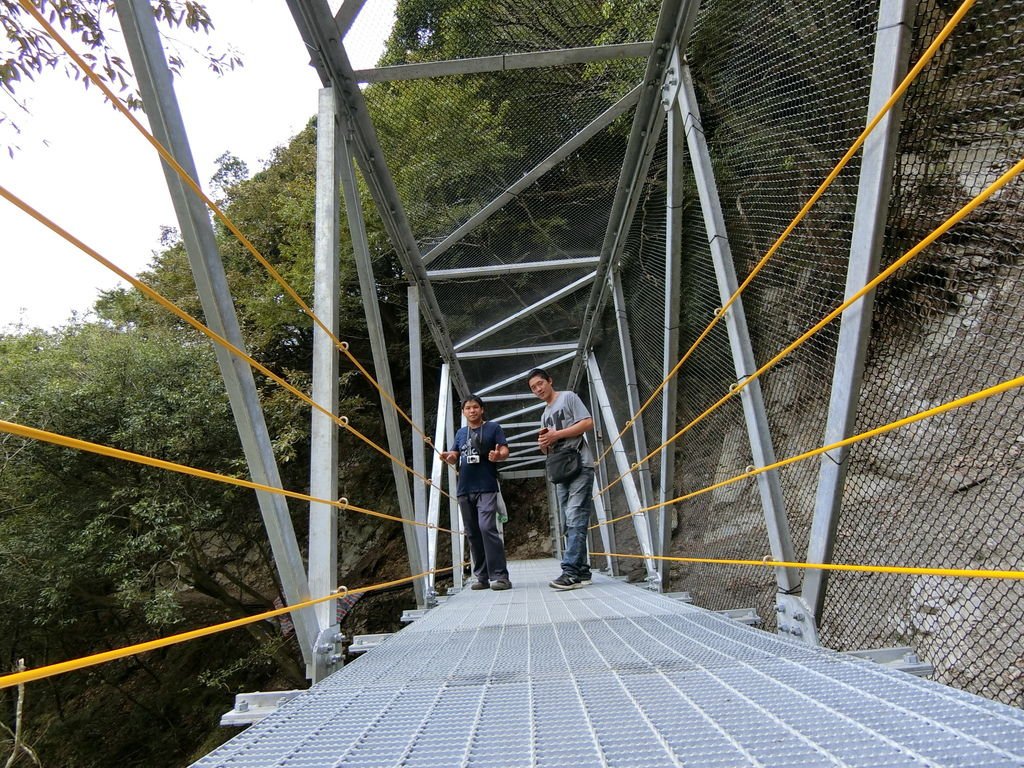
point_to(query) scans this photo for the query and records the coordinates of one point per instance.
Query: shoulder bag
(564, 466)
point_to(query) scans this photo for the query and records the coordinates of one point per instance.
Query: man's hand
(450, 457)
(546, 438)
(500, 453)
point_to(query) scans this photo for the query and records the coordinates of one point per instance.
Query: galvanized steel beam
(321, 35)
(444, 418)
(762, 451)
(892, 52)
(539, 349)
(641, 523)
(382, 366)
(498, 270)
(537, 306)
(520, 377)
(670, 337)
(504, 62)
(595, 126)
(418, 448)
(146, 52)
(674, 24)
(323, 458)
(632, 387)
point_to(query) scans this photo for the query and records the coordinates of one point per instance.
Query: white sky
(82, 164)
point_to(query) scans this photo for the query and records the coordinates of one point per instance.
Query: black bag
(564, 466)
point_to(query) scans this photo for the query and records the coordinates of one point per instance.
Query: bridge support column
(323, 460)
(444, 417)
(150, 65)
(763, 453)
(640, 521)
(670, 347)
(374, 326)
(892, 51)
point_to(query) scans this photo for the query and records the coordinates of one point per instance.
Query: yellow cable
(211, 334)
(929, 53)
(949, 223)
(116, 453)
(173, 163)
(939, 409)
(769, 563)
(20, 678)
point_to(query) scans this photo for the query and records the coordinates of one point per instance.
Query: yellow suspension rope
(738, 387)
(20, 678)
(939, 409)
(341, 421)
(897, 94)
(116, 453)
(191, 183)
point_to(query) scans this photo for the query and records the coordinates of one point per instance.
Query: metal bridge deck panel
(614, 675)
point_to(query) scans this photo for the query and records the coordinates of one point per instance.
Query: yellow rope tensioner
(20, 678)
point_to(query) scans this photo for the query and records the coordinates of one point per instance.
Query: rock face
(947, 492)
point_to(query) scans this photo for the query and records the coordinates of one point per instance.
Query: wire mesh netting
(946, 492)
(783, 93)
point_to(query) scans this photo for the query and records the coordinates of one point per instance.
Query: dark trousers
(479, 516)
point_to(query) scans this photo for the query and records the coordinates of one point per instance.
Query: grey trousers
(479, 516)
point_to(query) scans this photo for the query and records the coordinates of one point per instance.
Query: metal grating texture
(949, 491)
(612, 675)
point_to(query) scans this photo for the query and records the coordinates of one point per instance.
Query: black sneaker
(585, 580)
(480, 585)
(500, 584)
(565, 581)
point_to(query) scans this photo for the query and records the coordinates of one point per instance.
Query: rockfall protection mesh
(783, 91)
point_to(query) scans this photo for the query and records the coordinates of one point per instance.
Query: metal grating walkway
(614, 675)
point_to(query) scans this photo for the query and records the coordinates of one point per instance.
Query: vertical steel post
(640, 520)
(375, 329)
(454, 515)
(763, 453)
(437, 466)
(602, 501)
(417, 447)
(892, 52)
(632, 387)
(147, 56)
(323, 458)
(670, 348)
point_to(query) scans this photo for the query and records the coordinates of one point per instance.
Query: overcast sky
(80, 163)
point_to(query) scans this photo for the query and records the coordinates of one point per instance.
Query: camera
(473, 459)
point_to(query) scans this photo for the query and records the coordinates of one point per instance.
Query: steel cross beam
(504, 62)
(321, 35)
(540, 349)
(520, 377)
(595, 126)
(674, 24)
(526, 311)
(510, 269)
(146, 52)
